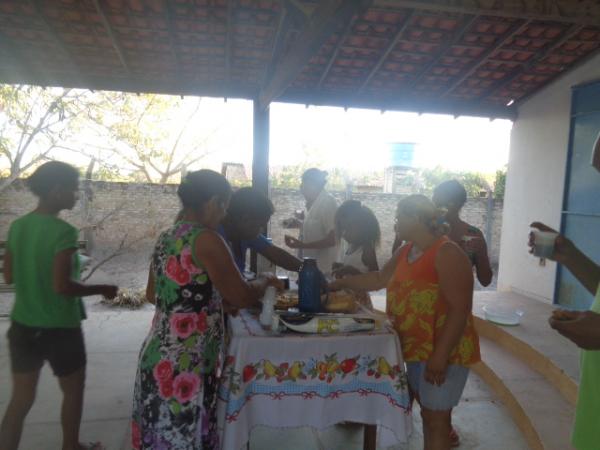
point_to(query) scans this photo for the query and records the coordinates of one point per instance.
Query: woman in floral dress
(175, 392)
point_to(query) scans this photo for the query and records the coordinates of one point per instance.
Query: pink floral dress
(175, 394)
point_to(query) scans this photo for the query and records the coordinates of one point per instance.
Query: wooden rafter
(338, 45)
(456, 37)
(49, 29)
(111, 35)
(278, 40)
(329, 16)
(482, 58)
(584, 12)
(566, 36)
(390, 47)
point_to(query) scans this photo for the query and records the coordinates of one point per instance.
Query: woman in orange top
(429, 300)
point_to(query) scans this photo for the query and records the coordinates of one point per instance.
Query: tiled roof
(387, 55)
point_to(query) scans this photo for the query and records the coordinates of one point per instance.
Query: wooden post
(260, 158)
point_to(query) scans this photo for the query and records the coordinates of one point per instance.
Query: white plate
(502, 315)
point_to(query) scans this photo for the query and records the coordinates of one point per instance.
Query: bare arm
(281, 258)
(8, 275)
(327, 242)
(150, 292)
(369, 259)
(64, 285)
(456, 285)
(482, 262)
(216, 257)
(371, 281)
(566, 253)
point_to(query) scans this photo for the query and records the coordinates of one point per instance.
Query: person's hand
(435, 369)
(299, 215)
(291, 223)
(109, 291)
(563, 247)
(335, 285)
(341, 271)
(580, 327)
(292, 242)
(272, 280)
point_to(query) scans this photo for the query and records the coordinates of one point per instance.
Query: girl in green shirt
(41, 261)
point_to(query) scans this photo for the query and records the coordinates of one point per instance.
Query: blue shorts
(437, 398)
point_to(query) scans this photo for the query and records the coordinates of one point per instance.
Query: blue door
(580, 220)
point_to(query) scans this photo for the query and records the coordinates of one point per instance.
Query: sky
(359, 139)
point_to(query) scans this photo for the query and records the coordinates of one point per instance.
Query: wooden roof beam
(36, 5)
(387, 51)
(343, 36)
(17, 67)
(584, 12)
(278, 41)
(111, 35)
(173, 40)
(481, 59)
(328, 17)
(570, 33)
(445, 47)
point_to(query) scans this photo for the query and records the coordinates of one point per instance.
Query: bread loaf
(341, 302)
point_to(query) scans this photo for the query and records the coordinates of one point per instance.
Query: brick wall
(140, 211)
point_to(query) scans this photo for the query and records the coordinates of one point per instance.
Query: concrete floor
(113, 340)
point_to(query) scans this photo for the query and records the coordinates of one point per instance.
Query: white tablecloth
(294, 380)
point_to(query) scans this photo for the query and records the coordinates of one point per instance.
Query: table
(294, 380)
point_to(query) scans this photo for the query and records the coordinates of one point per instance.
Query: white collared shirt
(318, 223)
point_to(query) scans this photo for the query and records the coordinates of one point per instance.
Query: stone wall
(137, 212)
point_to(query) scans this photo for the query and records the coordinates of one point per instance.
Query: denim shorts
(431, 396)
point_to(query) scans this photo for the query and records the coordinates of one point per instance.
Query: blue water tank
(402, 154)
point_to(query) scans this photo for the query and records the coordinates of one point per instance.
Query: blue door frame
(580, 217)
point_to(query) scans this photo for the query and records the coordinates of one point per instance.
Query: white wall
(535, 181)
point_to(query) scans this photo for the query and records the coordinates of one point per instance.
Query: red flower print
(229, 360)
(201, 323)
(187, 261)
(136, 435)
(163, 371)
(165, 389)
(177, 273)
(186, 386)
(248, 373)
(183, 325)
(348, 365)
(172, 267)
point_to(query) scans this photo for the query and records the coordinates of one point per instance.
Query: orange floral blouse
(417, 308)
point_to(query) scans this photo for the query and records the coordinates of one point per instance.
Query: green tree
(34, 122)
(150, 134)
(500, 184)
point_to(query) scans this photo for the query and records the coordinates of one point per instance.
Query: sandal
(454, 438)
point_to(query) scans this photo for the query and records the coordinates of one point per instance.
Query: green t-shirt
(586, 433)
(33, 241)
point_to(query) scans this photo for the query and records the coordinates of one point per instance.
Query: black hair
(450, 191)
(198, 187)
(250, 202)
(51, 175)
(316, 176)
(371, 232)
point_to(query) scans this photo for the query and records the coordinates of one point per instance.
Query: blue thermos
(310, 285)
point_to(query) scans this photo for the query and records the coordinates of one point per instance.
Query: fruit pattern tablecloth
(294, 380)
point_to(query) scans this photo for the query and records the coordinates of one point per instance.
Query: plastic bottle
(310, 284)
(268, 307)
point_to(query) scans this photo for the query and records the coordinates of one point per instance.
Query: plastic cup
(544, 243)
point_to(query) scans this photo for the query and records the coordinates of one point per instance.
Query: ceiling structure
(473, 57)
